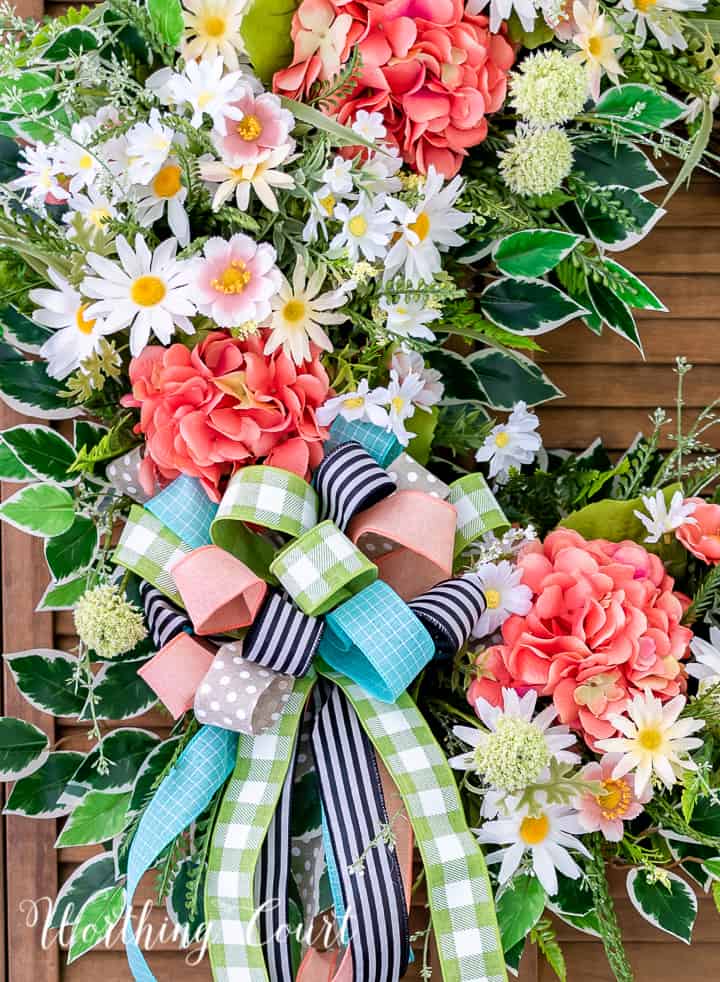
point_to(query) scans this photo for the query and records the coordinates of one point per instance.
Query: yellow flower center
(86, 326)
(249, 128)
(96, 216)
(147, 291)
(354, 402)
(614, 798)
(492, 599)
(166, 182)
(294, 311)
(204, 99)
(85, 162)
(397, 403)
(533, 831)
(644, 5)
(358, 226)
(234, 279)
(214, 26)
(421, 226)
(502, 439)
(595, 46)
(650, 738)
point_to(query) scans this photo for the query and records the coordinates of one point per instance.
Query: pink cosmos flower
(224, 405)
(264, 126)
(616, 803)
(702, 538)
(236, 280)
(432, 70)
(604, 626)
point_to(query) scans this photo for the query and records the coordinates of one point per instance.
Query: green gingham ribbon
(149, 548)
(243, 821)
(267, 497)
(478, 511)
(458, 887)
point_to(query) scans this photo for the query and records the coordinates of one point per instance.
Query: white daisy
(147, 148)
(148, 292)
(661, 16)
(338, 176)
(409, 318)
(505, 594)
(546, 834)
(379, 172)
(401, 401)
(370, 126)
(161, 84)
(298, 313)
(260, 177)
(366, 229)
(78, 335)
(324, 203)
(661, 520)
(363, 403)
(165, 193)
(94, 207)
(73, 158)
(40, 177)
(426, 230)
(406, 362)
(212, 29)
(511, 444)
(654, 740)
(501, 10)
(208, 91)
(706, 666)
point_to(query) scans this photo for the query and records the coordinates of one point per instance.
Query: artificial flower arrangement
(275, 265)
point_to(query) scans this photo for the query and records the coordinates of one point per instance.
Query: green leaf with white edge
(11, 469)
(74, 550)
(614, 312)
(98, 818)
(631, 289)
(688, 854)
(95, 920)
(64, 594)
(166, 17)
(87, 433)
(613, 234)
(47, 680)
(638, 108)
(39, 795)
(125, 750)
(150, 770)
(47, 454)
(512, 957)
(533, 252)
(120, 693)
(23, 748)
(507, 379)
(603, 160)
(9, 160)
(93, 875)
(706, 817)
(671, 908)
(72, 41)
(26, 93)
(265, 29)
(528, 306)
(713, 867)
(574, 903)
(461, 382)
(26, 387)
(22, 332)
(39, 509)
(519, 907)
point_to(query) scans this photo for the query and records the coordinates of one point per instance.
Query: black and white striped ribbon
(354, 807)
(282, 637)
(450, 611)
(164, 620)
(349, 481)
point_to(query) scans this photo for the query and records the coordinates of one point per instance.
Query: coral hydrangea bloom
(431, 69)
(604, 626)
(223, 405)
(701, 536)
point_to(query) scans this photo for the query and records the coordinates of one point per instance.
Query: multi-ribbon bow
(348, 583)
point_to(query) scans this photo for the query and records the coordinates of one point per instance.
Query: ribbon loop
(148, 547)
(377, 640)
(382, 445)
(220, 593)
(123, 475)
(450, 611)
(409, 475)
(184, 507)
(322, 568)
(477, 510)
(282, 638)
(176, 671)
(349, 481)
(164, 620)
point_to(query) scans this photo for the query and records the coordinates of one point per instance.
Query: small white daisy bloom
(64, 310)
(661, 520)
(409, 318)
(501, 10)
(212, 28)
(653, 740)
(260, 177)
(165, 193)
(300, 310)
(706, 666)
(161, 84)
(40, 177)
(338, 176)
(662, 18)
(94, 207)
(547, 835)
(75, 160)
(511, 444)
(401, 401)
(406, 362)
(322, 210)
(149, 292)
(364, 403)
(208, 91)
(366, 229)
(370, 126)
(426, 230)
(148, 147)
(379, 173)
(505, 594)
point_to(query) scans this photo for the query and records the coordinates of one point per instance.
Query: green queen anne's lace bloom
(549, 88)
(107, 623)
(513, 756)
(537, 160)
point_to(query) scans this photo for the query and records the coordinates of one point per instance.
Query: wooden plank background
(610, 390)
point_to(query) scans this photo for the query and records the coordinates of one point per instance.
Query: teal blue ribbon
(186, 510)
(382, 446)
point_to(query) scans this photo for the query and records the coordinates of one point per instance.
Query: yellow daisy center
(397, 403)
(421, 226)
(96, 216)
(644, 5)
(533, 831)
(204, 99)
(86, 326)
(294, 311)
(166, 182)
(354, 402)
(148, 291)
(234, 279)
(214, 26)
(614, 798)
(502, 439)
(595, 46)
(650, 738)
(328, 204)
(492, 599)
(85, 162)
(249, 128)
(358, 226)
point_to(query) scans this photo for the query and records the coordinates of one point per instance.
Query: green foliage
(544, 936)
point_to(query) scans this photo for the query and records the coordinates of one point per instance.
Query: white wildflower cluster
(536, 161)
(107, 623)
(549, 88)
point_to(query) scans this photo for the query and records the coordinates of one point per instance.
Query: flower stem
(607, 918)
